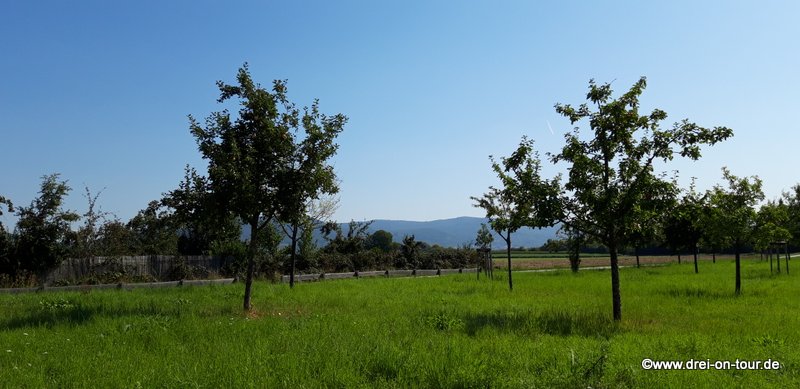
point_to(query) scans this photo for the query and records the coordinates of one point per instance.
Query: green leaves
(733, 208)
(44, 227)
(611, 181)
(525, 199)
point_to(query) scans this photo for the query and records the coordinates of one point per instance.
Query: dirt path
(556, 263)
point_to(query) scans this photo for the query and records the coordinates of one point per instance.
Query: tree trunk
(251, 263)
(615, 295)
(294, 255)
(491, 266)
(777, 259)
(679, 257)
(695, 259)
(480, 260)
(770, 263)
(738, 271)
(508, 252)
(714, 257)
(637, 256)
(787, 259)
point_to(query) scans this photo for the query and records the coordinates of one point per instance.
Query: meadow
(553, 330)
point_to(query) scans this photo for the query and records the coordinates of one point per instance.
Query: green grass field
(553, 330)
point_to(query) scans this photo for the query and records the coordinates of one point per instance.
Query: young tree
(484, 241)
(87, 238)
(484, 238)
(733, 212)
(409, 249)
(254, 161)
(771, 221)
(792, 201)
(523, 200)
(43, 228)
(310, 176)
(611, 177)
(88, 234)
(318, 212)
(685, 226)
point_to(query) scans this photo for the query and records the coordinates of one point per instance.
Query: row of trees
(613, 195)
(268, 169)
(179, 224)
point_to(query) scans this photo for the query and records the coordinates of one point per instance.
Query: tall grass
(553, 330)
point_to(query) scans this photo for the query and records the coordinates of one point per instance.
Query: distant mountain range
(458, 231)
(447, 232)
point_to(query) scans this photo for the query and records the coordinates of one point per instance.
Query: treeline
(696, 224)
(611, 192)
(46, 234)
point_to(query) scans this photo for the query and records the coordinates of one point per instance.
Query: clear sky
(99, 91)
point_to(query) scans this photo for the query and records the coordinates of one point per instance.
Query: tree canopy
(524, 200)
(734, 214)
(611, 180)
(43, 228)
(258, 169)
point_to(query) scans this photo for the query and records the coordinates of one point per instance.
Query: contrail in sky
(549, 127)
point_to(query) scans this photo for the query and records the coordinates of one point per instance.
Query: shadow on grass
(55, 312)
(557, 322)
(696, 292)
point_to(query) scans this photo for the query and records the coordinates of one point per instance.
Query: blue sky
(100, 91)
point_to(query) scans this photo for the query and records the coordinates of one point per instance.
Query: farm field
(553, 330)
(525, 260)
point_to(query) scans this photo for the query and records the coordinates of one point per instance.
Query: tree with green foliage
(115, 239)
(152, 232)
(685, 227)
(484, 241)
(195, 216)
(257, 169)
(409, 249)
(771, 227)
(9, 206)
(354, 241)
(611, 179)
(792, 201)
(43, 229)
(87, 236)
(733, 213)
(574, 244)
(381, 240)
(6, 243)
(484, 238)
(318, 212)
(523, 199)
(309, 174)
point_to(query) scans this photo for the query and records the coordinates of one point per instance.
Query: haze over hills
(446, 232)
(458, 231)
